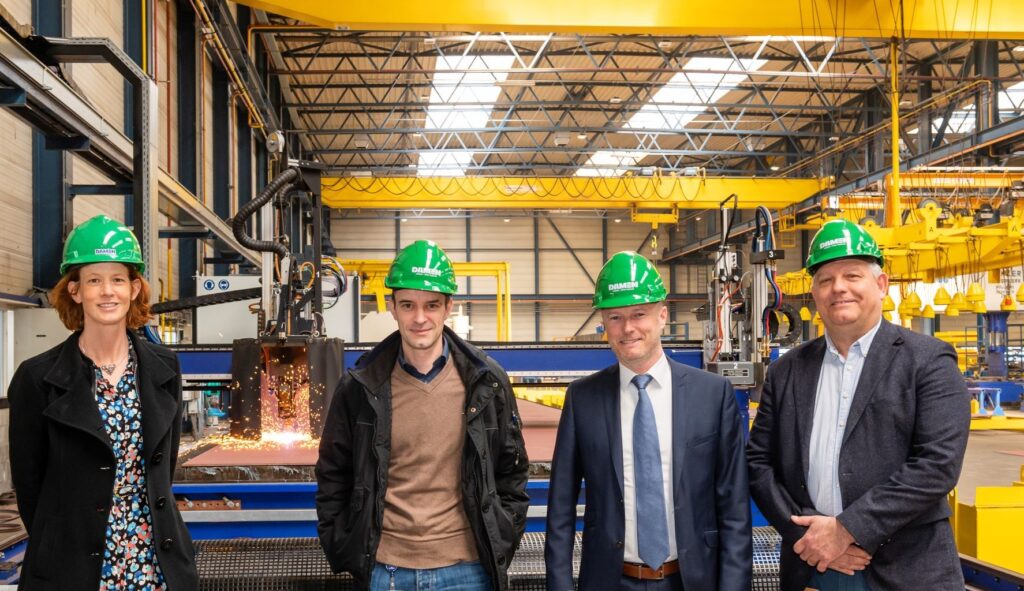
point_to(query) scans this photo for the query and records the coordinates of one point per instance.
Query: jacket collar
(77, 408)
(884, 348)
(373, 369)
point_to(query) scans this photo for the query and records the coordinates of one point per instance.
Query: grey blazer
(901, 454)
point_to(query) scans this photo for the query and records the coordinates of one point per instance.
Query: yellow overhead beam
(933, 19)
(647, 193)
(373, 273)
(925, 250)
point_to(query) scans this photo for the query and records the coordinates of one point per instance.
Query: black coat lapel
(76, 406)
(157, 393)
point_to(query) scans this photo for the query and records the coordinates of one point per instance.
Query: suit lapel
(806, 386)
(613, 421)
(157, 393)
(679, 427)
(884, 349)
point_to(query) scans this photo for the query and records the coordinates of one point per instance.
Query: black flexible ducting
(250, 208)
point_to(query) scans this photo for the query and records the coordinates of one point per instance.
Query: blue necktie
(651, 525)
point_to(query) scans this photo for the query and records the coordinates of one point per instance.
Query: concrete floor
(993, 458)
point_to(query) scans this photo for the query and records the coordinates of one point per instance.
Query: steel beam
(929, 19)
(53, 107)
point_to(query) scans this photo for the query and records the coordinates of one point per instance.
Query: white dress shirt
(837, 384)
(660, 391)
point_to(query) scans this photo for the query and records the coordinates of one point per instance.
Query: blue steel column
(221, 161)
(132, 14)
(50, 170)
(243, 180)
(995, 352)
(186, 102)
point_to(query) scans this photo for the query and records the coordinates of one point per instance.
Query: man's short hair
(873, 266)
(447, 296)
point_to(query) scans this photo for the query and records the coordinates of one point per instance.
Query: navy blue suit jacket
(709, 479)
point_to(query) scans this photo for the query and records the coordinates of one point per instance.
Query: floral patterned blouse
(129, 558)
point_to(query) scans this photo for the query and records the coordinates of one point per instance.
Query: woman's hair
(70, 311)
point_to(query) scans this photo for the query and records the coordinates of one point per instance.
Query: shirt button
(842, 424)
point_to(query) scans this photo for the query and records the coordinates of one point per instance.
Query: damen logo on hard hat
(623, 286)
(841, 241)
(427, 271)
(110, 252)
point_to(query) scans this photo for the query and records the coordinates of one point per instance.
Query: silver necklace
(110, 367)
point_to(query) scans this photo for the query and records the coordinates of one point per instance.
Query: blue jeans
(831, 580)
(464, 576)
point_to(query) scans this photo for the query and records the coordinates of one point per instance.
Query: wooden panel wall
(16, 188)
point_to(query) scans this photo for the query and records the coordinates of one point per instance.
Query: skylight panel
(610, 163)
(1012, 98)
(462, 96)
(703, 81)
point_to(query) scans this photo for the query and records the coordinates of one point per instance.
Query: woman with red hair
(94, 432)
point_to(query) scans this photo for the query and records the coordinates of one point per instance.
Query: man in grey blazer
(660, 446)
(859, 437)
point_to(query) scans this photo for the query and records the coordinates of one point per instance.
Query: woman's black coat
(62, 465)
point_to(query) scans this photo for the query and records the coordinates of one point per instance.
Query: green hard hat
(424, 266)
(101, 239)
(841, 239)
(628, 279)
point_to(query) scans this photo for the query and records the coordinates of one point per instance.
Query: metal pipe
(892, 202)
(255, 117)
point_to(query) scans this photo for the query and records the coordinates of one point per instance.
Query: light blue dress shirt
(836, 387)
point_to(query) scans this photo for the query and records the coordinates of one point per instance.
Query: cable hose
(238, 222)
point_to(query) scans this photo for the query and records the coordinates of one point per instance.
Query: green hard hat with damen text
(628, 279)
(424, 266)
(841, 239)
(101, 239)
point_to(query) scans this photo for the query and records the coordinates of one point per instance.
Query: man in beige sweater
(422, 471)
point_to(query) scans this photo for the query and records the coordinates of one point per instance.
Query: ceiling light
(906, 102)
(1019, 49)
(697, 218)
(430, 41)
(417, 134)
(774, 167)
(581, 136)
(425, 97)
(664, 45)
(833, 138)
(506, 220)
(616, 100)
(617, 220)
(361, 173)
(405, 220)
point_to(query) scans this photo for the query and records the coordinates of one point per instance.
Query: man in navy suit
(660, 447)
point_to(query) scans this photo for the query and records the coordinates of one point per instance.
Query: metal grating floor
(298, 564)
